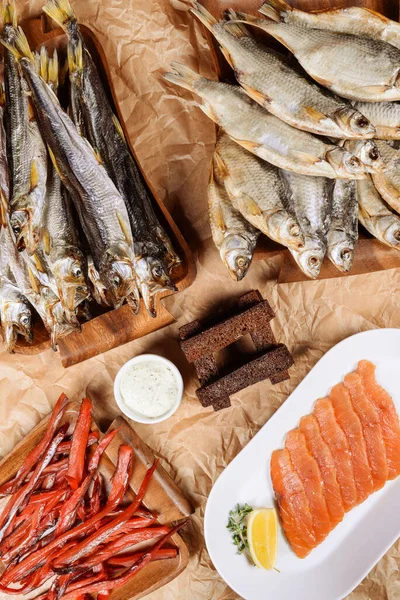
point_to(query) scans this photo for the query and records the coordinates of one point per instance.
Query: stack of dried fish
(76, 215)
(305, 161)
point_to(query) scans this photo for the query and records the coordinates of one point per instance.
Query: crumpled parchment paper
(174, 142)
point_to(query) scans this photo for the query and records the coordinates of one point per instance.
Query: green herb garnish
(237, 527)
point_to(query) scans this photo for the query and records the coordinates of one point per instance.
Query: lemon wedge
(262, 536)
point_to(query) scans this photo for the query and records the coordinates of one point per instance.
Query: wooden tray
(118, 326)
(370, 255)
(163, 496)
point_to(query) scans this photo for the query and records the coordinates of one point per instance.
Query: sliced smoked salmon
(337, 442)
(320, 450)
(348, 420)
(293, 505)
(372, 430)
(307, 469)
(388, 417)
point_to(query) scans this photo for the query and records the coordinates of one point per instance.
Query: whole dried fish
(154, 254)
(343, 231)
(375, 215)
(288, 93)
(26, 152)
(353, 20)
(101, 209)
(354, 67)
(257, 191)
(385, 116)
(310, 200)
(388, 182)
(234, 237)
(264, 134)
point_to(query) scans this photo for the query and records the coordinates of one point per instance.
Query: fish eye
(79, 288)
(116, 280)
(294, 230)
(362, 122)
(241, 262)
(77, 272)
(313, 261)
(24, 320)
(157, 271)
(373, 153)
(16, 229)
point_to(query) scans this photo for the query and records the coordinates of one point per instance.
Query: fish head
(286, 230)
(367, 151)
(341, 250)
(390, 230)
(17, 320)
(354, 123)
(236, 255)
(311, 257)
(19, 221)
(120, 279)
(69, 272)
(346, 164)
(61, 323)
(152, 279)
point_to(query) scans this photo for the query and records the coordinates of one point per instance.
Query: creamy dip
(149, 388)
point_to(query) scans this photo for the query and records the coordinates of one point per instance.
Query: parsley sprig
(237, 527)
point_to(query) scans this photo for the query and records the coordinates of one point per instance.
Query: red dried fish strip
(39, 450)
(76, 464)
(65, 447)
(103, 534)
(127, 560)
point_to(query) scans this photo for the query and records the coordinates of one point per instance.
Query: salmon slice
(307, 469)
(337, 442)
(351, 425)
(372, 430)
(388, 417)
(293, 505)
(320, 450)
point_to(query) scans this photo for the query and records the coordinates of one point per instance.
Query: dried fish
(355, 67)
(343, 231)
(257, 191)
(264, 134)
(375, 215)
(310, 200)
(388, 182)
(368, 153)
(234, 237)
(287, 92)
(353, 20)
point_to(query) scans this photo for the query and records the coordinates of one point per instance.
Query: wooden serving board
(370, 255)
(163, 497)
(119, 326)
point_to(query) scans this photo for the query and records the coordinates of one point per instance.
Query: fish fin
(218, 218)
(250, 206)
(125, 229)
(220, 169)
(75, 58)
(314, 114)
(38, 263)
(250, 146)
(227, 55)
(324, 82)
(46, 240)
(239, 30)
(256, 95)
(10, 14)
(54, 161)
(182, 76)
(34, 175)
(31, 110)
(61, 12)
(53, 70)
(34, 281)
(44, 64)
(118, 127)
(203, 15)
(98, 156)
(3, 209)
(275, 9)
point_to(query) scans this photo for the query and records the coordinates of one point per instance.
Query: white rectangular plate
(350, 551)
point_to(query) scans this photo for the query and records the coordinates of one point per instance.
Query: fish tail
(44, 64)
(52, 70)
(75, 58)
(20, 47)
(10, 14)
(61, 12)
(237, 29)
(275, 10)
(182, 76)
(203, 15)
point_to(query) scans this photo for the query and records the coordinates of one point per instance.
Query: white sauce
(149, 388)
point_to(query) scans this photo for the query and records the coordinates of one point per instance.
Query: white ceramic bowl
(139, 418)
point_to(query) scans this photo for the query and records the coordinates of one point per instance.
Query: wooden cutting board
(163, 497)
(370, 255)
